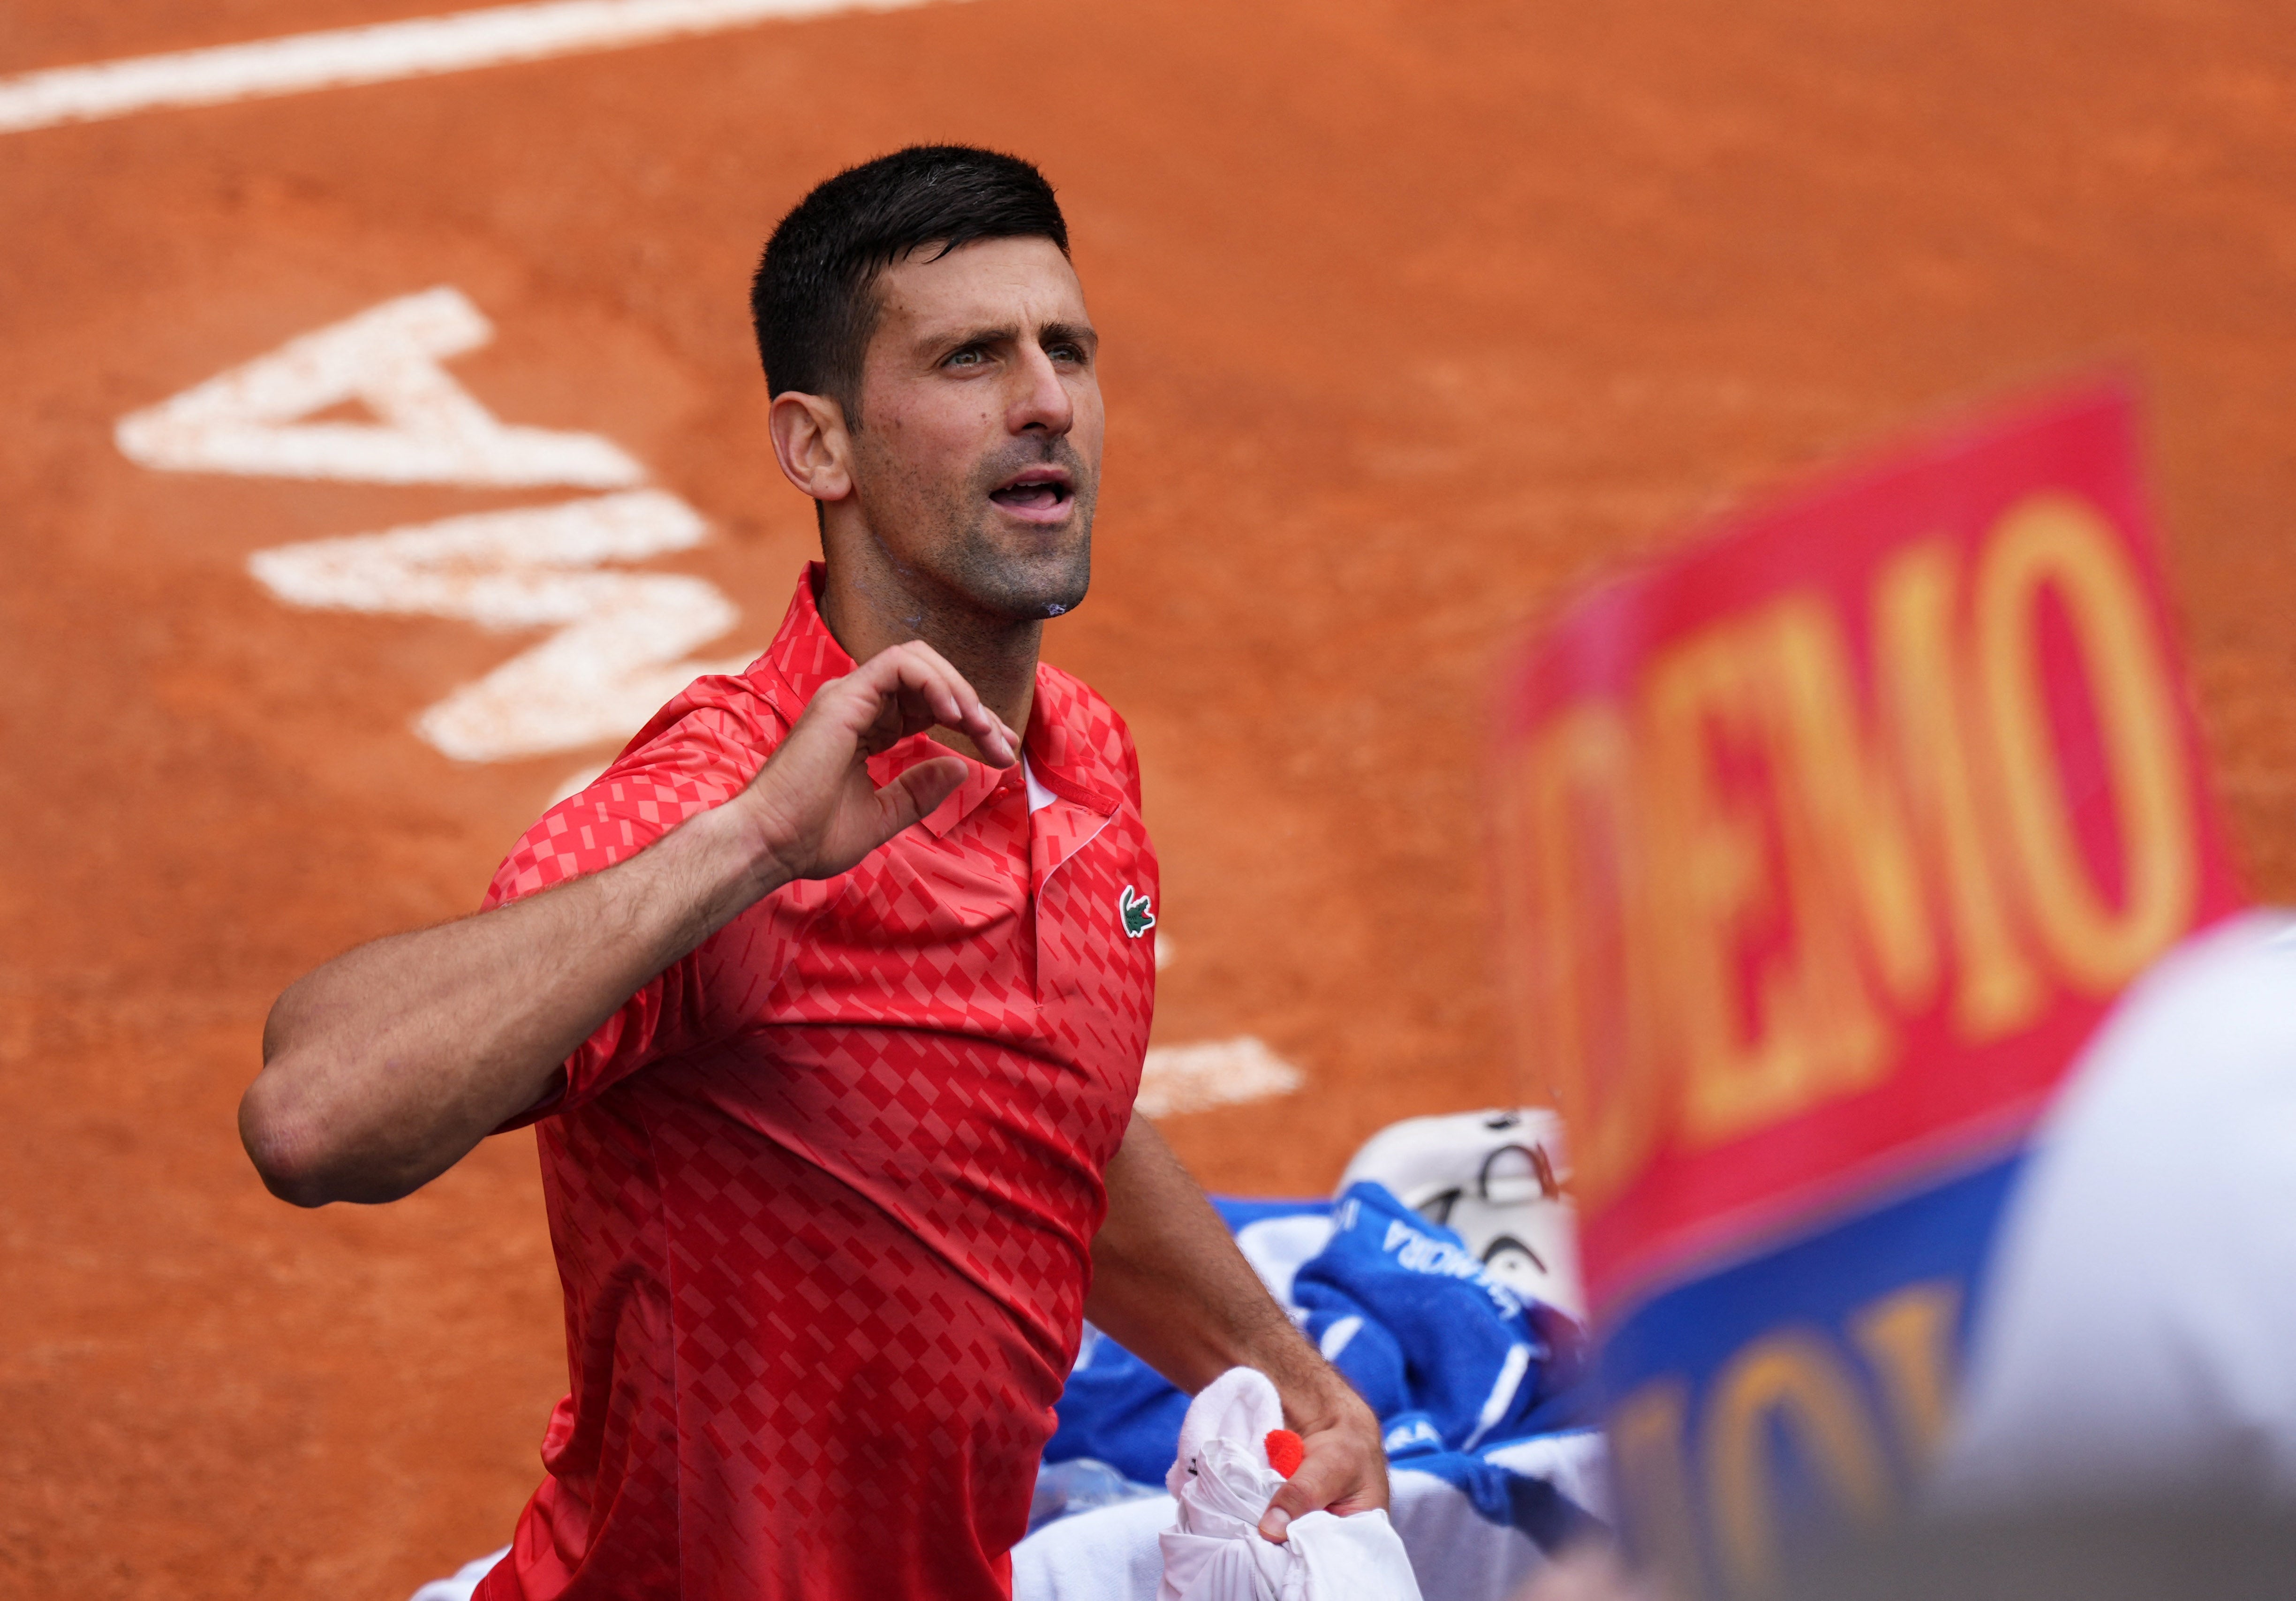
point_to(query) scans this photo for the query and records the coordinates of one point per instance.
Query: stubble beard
(1011, 574)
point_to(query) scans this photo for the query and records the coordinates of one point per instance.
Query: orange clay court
(1416, 316)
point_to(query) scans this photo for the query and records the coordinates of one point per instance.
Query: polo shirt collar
(1062, 757)
(805, 655)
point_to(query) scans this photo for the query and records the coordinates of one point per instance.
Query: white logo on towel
(1423, 1254)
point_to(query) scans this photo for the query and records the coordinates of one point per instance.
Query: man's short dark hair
(814, 297)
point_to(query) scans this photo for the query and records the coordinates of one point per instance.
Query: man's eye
(965, 359)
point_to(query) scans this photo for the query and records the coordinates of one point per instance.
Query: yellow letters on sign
(1647, 1434)
(1730, 889)
(2057, 543)
(1586, 972)
(1907, 1340)
(1795, 1391)
(1793, 1382)
(1812, 1030)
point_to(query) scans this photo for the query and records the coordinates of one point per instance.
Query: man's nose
(1042, 403)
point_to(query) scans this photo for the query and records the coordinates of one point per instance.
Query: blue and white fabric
(1448, 1356)
(1441, 1349)
(1479, 1390)
(1458, 1519)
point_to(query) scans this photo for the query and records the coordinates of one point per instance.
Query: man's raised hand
(817, 811)
(382, 1067)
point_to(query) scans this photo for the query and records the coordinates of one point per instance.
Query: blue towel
(1452, 1361)
(1404, 1309)
(1118, 1411)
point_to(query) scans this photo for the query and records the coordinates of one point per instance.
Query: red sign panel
(1825, 844)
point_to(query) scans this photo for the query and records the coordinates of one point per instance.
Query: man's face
(977, 457)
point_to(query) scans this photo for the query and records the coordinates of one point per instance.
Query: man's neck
(868, 606)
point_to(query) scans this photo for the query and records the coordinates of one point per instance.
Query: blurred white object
(2135, 1332)
(1221, 1483)
(1079, 1485)
(1495, 1179)
(465, 1581)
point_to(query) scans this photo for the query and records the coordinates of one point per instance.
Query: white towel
(1457, 1554)
(1221, 1482)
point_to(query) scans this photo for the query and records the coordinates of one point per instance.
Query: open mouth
(1040, 490)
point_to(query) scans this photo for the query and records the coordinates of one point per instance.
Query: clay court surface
(1416, 316)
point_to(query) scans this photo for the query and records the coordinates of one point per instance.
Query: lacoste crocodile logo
(1133, 907)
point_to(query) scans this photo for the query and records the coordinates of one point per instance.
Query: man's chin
(1030, 586)
(1042, 604)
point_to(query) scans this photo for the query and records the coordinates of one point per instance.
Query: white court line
(420, 47)
(1177, 1078)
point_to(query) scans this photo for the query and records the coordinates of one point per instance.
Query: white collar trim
(1039, 797)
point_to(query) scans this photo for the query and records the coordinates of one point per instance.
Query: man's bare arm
(382, 1068)
(1170, 1285)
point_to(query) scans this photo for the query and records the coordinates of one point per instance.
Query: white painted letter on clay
(431, 430)
(623, 637)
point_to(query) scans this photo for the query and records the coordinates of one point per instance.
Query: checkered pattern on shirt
(823, 1194)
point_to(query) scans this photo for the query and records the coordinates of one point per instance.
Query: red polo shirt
(823, 1194)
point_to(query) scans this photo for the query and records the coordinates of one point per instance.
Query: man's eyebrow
(979, 336)
(1051, 334)
(959, 339)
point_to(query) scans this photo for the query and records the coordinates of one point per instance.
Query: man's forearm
(1169, 1285)
(382, 1068)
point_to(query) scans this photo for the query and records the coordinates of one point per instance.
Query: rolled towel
(1223, 1480)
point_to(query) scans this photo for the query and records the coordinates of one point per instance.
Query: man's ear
(812, 445)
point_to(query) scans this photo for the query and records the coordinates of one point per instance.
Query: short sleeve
(697, 754)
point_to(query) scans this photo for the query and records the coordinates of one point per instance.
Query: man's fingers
(1289, 1502)
(911, 688)
(1335, 1475)
(919, 680)
(820, 813)
(914, 793)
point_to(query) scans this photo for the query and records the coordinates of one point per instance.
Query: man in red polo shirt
(828, 999)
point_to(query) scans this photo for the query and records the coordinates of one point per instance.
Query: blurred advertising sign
(1824, 847)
